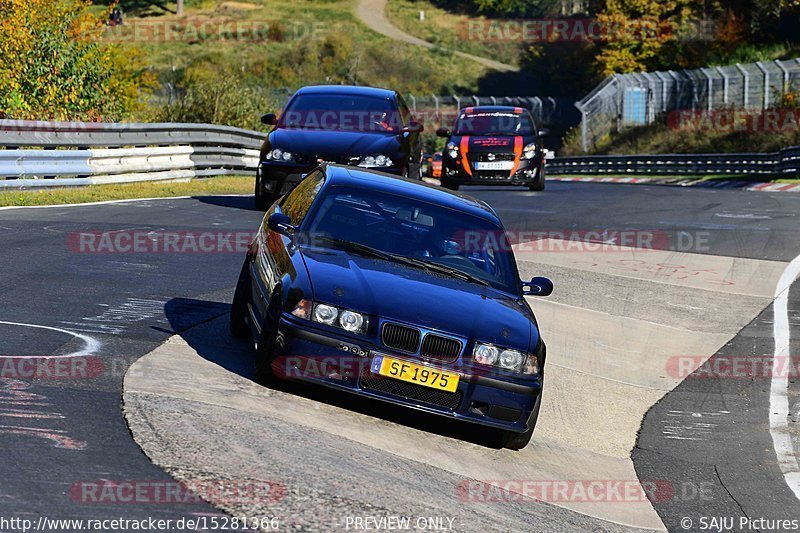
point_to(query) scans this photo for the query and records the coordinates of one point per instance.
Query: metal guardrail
(151, 152)
(783, 163)
(129, 153)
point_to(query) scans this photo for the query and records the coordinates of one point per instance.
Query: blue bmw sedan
(397, 290)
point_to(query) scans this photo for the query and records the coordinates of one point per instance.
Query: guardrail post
(476, 100)
(494, 100)
(763, 69)
(746, 76)
(458, 102)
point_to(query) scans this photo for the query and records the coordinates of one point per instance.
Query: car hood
(491, 143)
(411, 295)
(334, 145)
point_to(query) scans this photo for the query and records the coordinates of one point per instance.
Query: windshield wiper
(442, 269)
(362, 249)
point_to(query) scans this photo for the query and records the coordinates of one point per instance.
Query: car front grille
(441, 348)
(410, 391)
(399, 337)
(502, 156)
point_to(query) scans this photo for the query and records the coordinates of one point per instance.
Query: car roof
(351, 90)
(415, 189)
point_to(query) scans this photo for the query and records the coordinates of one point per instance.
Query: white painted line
(108, 202)
(90, 345)
(778, 395)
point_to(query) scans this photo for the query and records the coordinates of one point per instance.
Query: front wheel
(538, 185)
(238, 321)
(267, 342)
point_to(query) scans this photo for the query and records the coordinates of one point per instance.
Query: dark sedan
(493, 145)
(394, 289)
(359, 126)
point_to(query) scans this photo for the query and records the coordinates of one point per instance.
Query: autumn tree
(54, 64)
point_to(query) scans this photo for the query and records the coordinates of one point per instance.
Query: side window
(297, 203)
(405, 113)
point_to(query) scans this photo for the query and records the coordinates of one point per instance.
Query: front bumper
(306, 353)
(526, 173)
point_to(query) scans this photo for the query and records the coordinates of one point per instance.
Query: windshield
(341, 112)
(493, 123)
(414, 229)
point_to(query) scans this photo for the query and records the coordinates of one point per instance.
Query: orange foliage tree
(54, 65)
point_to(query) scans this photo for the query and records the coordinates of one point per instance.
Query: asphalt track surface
(59, 433)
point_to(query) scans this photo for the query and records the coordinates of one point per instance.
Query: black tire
(238, 321)
(538, 185)
(517, 441)
(265, 349)
(449, 184)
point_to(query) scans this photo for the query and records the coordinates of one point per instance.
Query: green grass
(450, 30)
(100, 193)
(308, 42)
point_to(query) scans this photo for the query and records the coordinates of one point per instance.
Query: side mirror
(543, 132)
(442, 132)
(538, 286)
(270, 119)
(280, 223)
(414, 127)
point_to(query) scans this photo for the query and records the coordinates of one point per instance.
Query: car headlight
(529, 152)
(485, 354)
(279, 155)
(333, 316)
(326, 314)
(375, 161)
(505, 358)
(452, 150)
(351, 321)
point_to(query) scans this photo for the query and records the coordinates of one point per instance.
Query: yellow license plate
(413, 373)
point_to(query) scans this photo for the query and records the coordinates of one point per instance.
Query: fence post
(476, 100)
(746, 76)
(710, 88)
(436, 103)
(763, 69)
(413, 102)
(494, 100)
(724, 85)
(663, 80)
(584, 128)
(458, 102)
(785, 86)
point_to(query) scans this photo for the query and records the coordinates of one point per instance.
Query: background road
(59, 432)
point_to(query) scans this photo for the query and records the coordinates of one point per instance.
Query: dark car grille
(400, 337)
(502, 156)
(410, 391)
(441, 348)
